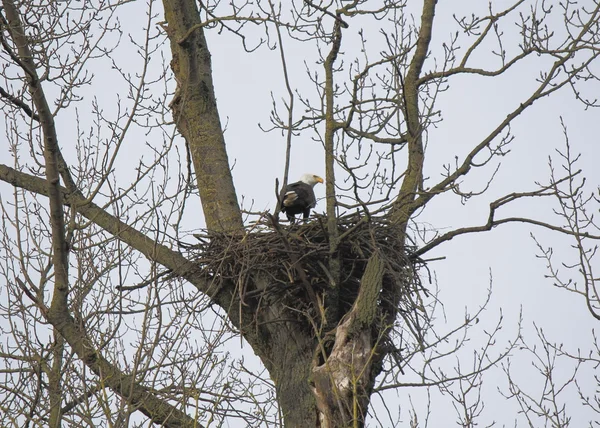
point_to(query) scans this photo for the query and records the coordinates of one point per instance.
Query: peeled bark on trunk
(321, 381)
(343, 382)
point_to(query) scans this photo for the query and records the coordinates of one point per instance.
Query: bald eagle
(299, 197)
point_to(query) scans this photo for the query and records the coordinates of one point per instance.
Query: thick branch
(197, 118)
(150, 248)
(158, 410)
(478, 71)
(414, 171)
(330, 127)
(331, 297)
(59, 306)
(18, 102)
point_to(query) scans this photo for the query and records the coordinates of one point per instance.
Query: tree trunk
(289, 365)
(320, 381)
(342, 383)
(197, 118)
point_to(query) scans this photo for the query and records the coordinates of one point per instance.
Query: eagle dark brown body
(299, 197)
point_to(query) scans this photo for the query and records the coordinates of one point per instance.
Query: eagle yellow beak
(319, 179)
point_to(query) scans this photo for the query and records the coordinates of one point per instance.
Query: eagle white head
(311, 179)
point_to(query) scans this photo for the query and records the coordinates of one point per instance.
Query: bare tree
(114, 309)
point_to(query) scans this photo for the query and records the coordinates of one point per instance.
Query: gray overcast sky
(470, 109)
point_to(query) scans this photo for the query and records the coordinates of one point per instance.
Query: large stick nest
(290, 265)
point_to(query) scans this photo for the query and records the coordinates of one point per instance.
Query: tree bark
(331, 296)
(54, 381)
(289, 362)
(401, 211)
(60, 251)
(342, 384)
(197, 117)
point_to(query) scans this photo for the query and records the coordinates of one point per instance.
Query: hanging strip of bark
(342, 384)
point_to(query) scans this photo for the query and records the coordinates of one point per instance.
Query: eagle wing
(299, 198)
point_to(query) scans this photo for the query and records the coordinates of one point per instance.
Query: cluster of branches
(103, 319)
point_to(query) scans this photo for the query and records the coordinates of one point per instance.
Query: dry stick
(298, 268)
(290, 109)
(158, 410)
(279, 196)
(19, 103)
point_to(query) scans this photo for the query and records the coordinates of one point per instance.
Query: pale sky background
(470, 109)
